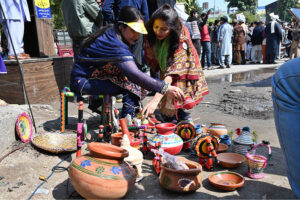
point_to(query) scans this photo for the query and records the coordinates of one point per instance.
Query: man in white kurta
(225, 43)
(15, 13)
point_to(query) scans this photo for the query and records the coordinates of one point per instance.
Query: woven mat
(55, 142)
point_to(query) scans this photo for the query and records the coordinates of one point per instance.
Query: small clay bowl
(226, 180)
(230, 160)
(222, 148)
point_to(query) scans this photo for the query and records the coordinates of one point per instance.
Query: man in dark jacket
(274, 36)
(153, 5)
(82, 18)
(256, 39)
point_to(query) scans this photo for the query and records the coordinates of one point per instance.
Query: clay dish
(222, 148)
(226, 180)
(230, 160)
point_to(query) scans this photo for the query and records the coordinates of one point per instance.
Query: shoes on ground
(21, 56)
(221, 67)
(227, 66)
(210, 68)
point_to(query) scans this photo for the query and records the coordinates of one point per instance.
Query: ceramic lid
(244, 138)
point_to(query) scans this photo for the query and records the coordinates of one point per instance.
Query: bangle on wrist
(164, 88)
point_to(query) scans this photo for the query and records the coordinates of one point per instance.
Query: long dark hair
(170, 17)
(127, 14)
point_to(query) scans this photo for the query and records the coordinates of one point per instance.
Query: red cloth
(205, 34)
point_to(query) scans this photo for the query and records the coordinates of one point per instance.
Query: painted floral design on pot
(170, 142)
(102, 173)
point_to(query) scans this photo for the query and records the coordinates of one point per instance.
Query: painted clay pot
(217, 129)
(181, 180)
(102, 174)
(170, 142)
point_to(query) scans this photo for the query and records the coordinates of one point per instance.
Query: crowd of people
(239, 43)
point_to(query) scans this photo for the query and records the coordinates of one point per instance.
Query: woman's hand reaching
(172, 91)
(175, 92)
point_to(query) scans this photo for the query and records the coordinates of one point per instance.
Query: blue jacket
(111, 9)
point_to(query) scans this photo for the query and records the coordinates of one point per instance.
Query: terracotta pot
(188, 103)
(181, 180)
(116, 138)
(217, 129)
(103, 173)
(170, 142)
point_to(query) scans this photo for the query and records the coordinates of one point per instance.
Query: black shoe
(227, 66)
(221, 67)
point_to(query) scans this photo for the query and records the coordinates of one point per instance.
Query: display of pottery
(187, 180)
(217, 129)
(170, 142)
(135, 157)
(102, 174)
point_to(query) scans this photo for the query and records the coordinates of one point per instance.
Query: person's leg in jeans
(204, 52)
(208, 54)
(286, 101)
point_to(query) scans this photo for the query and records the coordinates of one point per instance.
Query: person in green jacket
(82, 18)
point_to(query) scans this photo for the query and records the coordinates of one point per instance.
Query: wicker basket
(55, 142)
(257, 163)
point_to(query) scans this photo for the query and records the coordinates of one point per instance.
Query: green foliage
(283, 7)
(243, 5)
(249, 16)
(57, 16)
(190, 5)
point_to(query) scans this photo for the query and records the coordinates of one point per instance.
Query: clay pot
(181, 180)
(102, 174)
(217, 129)
(188, 103)
(230, 160)
(116, 138)
(226, 180)
(170, 142)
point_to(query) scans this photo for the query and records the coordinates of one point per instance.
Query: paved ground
(19, 172)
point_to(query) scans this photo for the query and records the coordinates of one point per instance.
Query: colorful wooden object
(24, 127)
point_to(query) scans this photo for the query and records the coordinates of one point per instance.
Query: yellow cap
(137, 26)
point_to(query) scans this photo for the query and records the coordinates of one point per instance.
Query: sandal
(2, 103)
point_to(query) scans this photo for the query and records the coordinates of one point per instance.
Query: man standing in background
(82, 18)
(224, 43)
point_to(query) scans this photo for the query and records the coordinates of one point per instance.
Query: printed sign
(43, 8)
